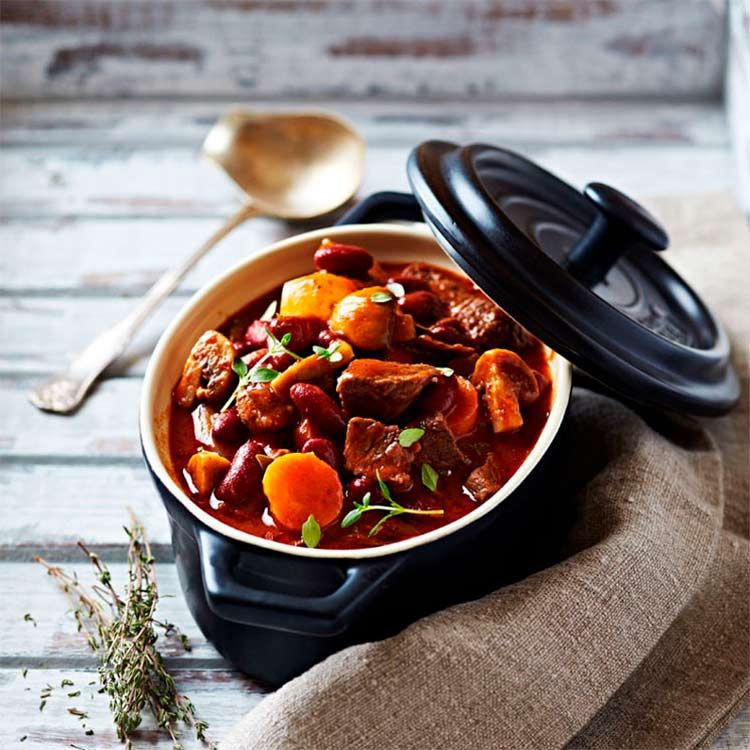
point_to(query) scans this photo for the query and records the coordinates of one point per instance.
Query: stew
(358, 405)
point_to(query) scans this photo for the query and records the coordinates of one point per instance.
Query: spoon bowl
(290, 166)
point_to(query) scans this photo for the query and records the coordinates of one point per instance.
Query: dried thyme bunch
(122, 632)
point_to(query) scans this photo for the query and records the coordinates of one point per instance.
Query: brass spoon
(293, 166)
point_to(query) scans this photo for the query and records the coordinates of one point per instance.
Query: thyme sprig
(393, 509)
(121, 629)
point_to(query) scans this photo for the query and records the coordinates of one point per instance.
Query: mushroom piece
(207, 375)
(506, 383)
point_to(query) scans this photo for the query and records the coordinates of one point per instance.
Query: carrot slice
(298, 485)
(464, 415)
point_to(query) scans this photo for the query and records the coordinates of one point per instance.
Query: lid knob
(620, 223)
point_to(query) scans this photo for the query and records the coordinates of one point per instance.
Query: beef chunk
(375, 388)
(372, 448)
(488, 325)
(486, 479)
(449, 289)
(438, 446)
(262, 410)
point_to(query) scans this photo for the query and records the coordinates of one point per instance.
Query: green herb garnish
(28, 618)
(429, 477)
(311, 532)
(393, 509)
(263, 375)
(279, 346)
(332, 354)
(408, 437)
(381, 297)
(396, 289)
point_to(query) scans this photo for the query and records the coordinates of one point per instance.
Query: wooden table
(97, 199)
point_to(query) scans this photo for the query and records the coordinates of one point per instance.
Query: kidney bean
(227, 427)
(449, 330)
(242, 482)
(316, 405)
(325, 450)
(347, 260)
(357, 488)
(303, 431)
(422, 306)
(279, 362)
(255, 335)
(326, 337)
(253, 358)
(303, 331)
(439, 396)
(410, 284)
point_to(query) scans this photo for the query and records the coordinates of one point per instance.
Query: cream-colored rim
(561, 372)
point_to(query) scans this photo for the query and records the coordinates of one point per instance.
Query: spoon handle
(65, 391)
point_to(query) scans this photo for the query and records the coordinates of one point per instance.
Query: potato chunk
(506, 383)
(315, 295)
(206, 470)
(366, 318)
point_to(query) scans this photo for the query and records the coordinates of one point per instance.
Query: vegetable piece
(464, 415)
(207, 375)
(300, 484)
(404, 328)
(315, 295)
(315, 404)
(206, 470)
(507, 383)
(242, 482)
(366, 318)
(311, 368)
(203, 416)
(347, 260)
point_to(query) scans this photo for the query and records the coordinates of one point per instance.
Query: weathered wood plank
(221, 697)
(52, 640)
(40, 333)
(169, 182)
(514, 124)
(53, 505)
(360, 48)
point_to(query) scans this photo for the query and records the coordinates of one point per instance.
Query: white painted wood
(129, 199)
(219, 696)
(132, 181)
(738, 95)
(414, 48)
(611, 122)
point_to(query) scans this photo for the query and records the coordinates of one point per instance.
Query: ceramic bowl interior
(259, 274)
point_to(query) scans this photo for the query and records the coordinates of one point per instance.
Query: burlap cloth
(638, 638)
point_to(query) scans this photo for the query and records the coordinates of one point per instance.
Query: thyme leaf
(429, 477)
(408, 437)
(311, 532)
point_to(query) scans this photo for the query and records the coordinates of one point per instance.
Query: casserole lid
(581, 271)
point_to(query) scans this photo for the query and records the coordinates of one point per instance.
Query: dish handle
(387, 205)
(252, 601)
